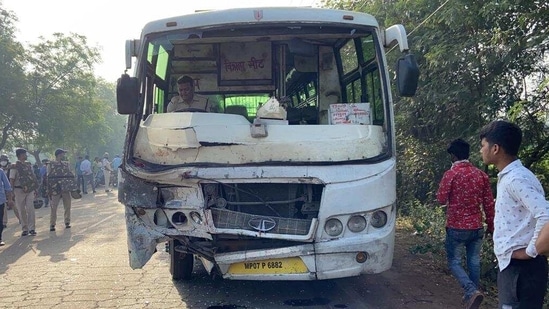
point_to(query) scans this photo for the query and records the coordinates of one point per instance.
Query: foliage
(428, 223)
(113, 129)
(479, 61)
(62, 83)
(12, 79)
(50, 97)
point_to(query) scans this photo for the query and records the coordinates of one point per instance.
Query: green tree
(49, 96)
(478, 60)
(108, 132)
(12, 79)
(62, 92)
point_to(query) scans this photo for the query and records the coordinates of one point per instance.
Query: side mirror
(127, 95)
(407, 76)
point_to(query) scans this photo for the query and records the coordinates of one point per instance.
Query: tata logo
(262, 224)
(258, 15)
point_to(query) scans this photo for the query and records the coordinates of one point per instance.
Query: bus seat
(237, 110)
(310, 114)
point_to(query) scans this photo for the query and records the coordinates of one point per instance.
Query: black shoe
(94, 192)
(32, 233)
(85, 192)
(52, 228)
(107, 190)
(25, 233)
(67, 226)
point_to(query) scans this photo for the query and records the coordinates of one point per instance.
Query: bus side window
(361, 77)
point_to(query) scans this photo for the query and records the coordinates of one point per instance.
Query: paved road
(87, 267)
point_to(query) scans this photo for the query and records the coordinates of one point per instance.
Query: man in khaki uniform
(187, 99)
(24, 184)
(60, 182)
(107, 169)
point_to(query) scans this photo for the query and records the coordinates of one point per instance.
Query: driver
(187, 100)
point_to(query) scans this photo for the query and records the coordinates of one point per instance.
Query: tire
(181, 264)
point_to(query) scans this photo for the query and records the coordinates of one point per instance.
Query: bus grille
(227, 219)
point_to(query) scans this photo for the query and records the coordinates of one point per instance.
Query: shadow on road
(57, 245)
(206, 293)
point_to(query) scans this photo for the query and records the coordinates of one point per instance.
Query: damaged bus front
(292, 175)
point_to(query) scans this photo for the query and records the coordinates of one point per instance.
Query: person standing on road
(5, 198)
(61, 182)
(107, 169)
(24, 184)
(42, 180)
(87, 174)
(521, 213)
(78, 172)
(5, 166)
(116, 162)
(465, 189)
(97, 171)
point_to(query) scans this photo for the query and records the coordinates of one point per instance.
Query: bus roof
(241, 16)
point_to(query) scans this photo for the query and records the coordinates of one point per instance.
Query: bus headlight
(333, 227)
(379, 219)
(356, 224)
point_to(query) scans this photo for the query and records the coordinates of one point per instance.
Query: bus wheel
(181, 264)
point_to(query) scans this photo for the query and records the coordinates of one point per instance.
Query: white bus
(292, 175)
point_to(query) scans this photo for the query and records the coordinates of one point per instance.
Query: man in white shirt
(521, 212)
(87, 173)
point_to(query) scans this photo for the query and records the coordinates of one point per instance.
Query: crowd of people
(25, 187)
(100, 172)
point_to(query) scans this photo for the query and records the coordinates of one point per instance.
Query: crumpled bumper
(142, 240)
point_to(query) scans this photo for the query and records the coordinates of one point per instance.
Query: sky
(109, 23)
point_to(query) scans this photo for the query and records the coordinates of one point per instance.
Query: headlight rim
(385, 219)
(365, 223)
(338, 223)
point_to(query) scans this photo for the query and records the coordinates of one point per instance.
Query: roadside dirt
(415, 281)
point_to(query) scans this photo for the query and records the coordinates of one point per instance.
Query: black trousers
(523, 284)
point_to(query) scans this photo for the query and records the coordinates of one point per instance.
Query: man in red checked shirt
(466, 192)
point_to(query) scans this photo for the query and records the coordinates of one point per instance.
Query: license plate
(293, 265)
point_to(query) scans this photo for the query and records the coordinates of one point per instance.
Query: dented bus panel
(291, 174)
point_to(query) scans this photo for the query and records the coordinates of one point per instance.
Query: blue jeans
(470, 240)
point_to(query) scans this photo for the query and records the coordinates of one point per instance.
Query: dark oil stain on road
(227, 307)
